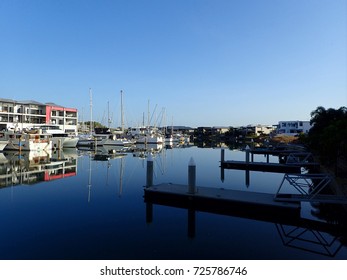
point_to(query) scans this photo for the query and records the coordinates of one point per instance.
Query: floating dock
(293, 164)
(261, 166)
(274, 152)
(219, 200)
(275, 208)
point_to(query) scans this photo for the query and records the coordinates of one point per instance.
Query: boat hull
(3, 144)
(28, 142)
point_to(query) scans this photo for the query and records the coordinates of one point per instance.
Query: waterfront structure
(20, 115)
(293, 127)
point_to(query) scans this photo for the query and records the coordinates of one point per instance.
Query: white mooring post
(149, 175)
(191, 176)
(247, 154)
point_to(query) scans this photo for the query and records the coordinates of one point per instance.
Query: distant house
(293, 127)
(180, 129)
(214, 131)
(260, 129)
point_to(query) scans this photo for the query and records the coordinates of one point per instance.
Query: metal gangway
(302, 159)
(309, 187)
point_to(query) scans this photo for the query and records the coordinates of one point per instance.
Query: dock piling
(149, 175)
(222, 155)
(191, 176)
(247, 154)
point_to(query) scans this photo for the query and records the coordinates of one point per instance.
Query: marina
(95, 203)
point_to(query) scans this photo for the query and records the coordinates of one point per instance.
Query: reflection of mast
(121, 172)
(108, 171)
(91, 112)
(90, 177)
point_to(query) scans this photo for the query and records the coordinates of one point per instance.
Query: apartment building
(19, 115)
(293, 127)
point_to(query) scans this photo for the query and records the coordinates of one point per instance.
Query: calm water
(87, 207)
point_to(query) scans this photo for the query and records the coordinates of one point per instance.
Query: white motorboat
(26, 141)
(3, 144)
(60, 139)
(104, 137)
(145, 135)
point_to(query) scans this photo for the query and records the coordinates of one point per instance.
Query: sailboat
(146, 134)
(104, 136)
(87, 139)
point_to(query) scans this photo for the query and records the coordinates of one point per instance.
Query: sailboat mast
(91, 111)
(121, 110)
(148, 117)
(108, 115)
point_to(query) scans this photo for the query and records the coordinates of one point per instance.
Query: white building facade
(19, 115)
(293, 127)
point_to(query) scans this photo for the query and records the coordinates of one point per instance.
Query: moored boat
(146, 135)
(27, 141)
(3, 144)
(60, 139)
(104, 137)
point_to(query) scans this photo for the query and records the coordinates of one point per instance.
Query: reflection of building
(18, 115)
(293, 127)
(27, 168)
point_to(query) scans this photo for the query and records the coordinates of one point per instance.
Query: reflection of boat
(85, 141)
(27, 141)
(60, 139)
(143, 150)
(105, 153)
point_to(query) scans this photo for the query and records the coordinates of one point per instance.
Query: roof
(29, 102)
(54, 104)
(7, 100)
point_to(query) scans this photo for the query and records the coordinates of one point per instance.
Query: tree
(328, 135)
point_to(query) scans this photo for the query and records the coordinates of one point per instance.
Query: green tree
(328, 134)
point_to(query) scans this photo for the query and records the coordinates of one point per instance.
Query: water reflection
(315, 236)
(101, 203)
(29, 167)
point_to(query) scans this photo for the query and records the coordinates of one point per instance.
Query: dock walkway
(261, 166)
(293, 164)
(219, 197)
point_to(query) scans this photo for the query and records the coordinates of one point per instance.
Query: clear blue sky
(207, 62)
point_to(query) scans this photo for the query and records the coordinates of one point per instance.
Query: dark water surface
(96, 210)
